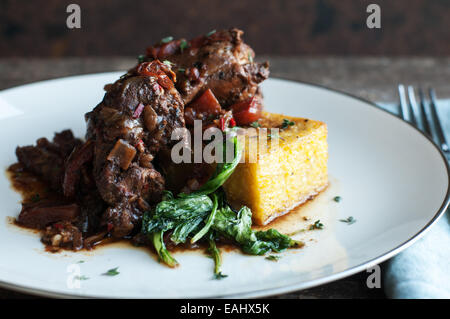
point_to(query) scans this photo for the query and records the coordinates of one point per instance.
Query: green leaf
(317, 225)
(170, 213)
(219, 276)
(166, 39)
(141, 58)
(210, 33)
(209, 221)
(286, 123)
(270, 240)
(350, 220)
(163, 253)
(183, 45)
(184, 229)
(234, 226)
(111, 272)
(250, 58)
(238, 227)
(273, 258)
(223, 171)
(82, 277)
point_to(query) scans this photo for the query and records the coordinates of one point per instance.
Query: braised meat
(46, 159)
(80, 156)
(44, 213)
(132, 124)
(219, 61)
(105, 184)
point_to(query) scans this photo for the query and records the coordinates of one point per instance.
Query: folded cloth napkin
(423, 270)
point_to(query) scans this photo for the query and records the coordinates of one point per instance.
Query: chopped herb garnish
(166, 39)
(337, 199)
(273, 258)
(210, 33)
(168, 63)
(35, 198)
(183, 45)
(350, 220)
(81, 278)
(141, 58)
(250, 58)
(255, 124)
(112, 272)
(317, 225)
(219, 276)
(286, 123)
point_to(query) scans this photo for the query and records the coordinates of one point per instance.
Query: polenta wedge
(287, 171)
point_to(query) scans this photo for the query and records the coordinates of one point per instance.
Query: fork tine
(423, 113)
(412, 105)
(440, 133)
(403, 104)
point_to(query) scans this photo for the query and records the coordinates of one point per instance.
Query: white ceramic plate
(391, 178)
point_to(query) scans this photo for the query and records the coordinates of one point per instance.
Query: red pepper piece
(247, 111)
(222, 124)
(138, 111)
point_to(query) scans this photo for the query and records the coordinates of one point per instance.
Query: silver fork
(426, 121)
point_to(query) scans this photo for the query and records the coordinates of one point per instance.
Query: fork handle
(439, 131)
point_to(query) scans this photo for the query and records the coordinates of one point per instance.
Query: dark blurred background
(284, 27)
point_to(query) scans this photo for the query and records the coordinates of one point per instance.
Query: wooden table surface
(371, 78)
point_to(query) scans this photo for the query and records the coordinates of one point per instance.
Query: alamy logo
(374, 279)
(374, 19)
(74, 276)
(73, 21)
(211, 146)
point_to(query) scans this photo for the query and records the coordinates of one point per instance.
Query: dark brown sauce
(28, 185)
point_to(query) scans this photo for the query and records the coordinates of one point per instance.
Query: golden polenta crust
(284, 172)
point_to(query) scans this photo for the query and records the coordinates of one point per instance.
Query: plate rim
(266, 292)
